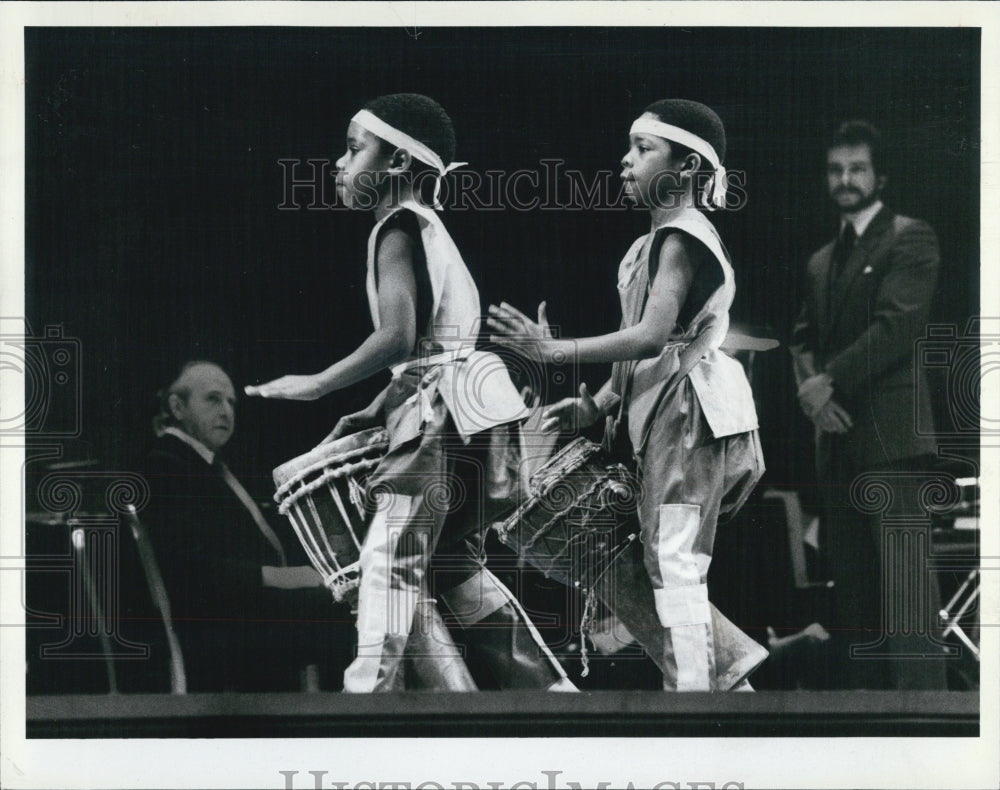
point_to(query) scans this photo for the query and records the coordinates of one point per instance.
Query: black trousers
(876, 532)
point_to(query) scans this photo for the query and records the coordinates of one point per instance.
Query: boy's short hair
(858, 132)
(420, 117)
(693, 117)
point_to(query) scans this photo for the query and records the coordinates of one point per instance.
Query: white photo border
(219, 763)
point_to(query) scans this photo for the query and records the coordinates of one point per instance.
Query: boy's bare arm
(397, 308)
(389, 344)
(647, 338)
(669, 289)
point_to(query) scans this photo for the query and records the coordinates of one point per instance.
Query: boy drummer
(676, 404)
(425, 307)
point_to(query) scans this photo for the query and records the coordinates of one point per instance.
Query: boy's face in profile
(360, 171)
(649, 171)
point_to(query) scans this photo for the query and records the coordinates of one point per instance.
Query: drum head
(367, 443)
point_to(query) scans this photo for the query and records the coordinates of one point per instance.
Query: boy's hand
(518, 332)
(288, 388)
(572, 413)
(368, 417)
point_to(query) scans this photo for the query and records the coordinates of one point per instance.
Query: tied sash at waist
(474, 385)
(719, 382)
(432, 360)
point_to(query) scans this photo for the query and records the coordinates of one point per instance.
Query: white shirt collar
(199, 448)
(862, 219)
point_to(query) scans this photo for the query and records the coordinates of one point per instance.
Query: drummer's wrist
(325, 382)
(554, 351)
(605, 402)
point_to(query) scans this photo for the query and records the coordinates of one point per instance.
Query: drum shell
(318, 515)
(322, 494)
(581, 512)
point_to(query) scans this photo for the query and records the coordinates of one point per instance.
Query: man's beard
(864, 201)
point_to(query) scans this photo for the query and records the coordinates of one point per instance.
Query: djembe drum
(580, 515)
(323, 495)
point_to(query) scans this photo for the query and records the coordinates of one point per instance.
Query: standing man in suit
(247, 620)
(867, 297)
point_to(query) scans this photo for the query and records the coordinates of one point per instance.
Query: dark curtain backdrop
(153, 185)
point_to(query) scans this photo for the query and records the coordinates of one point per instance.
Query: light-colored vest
(475, 385)
(719, 381)
(455, 314)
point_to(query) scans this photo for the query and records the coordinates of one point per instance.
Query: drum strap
(691, 355)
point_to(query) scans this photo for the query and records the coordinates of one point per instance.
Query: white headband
(417, 149)
(696, 144)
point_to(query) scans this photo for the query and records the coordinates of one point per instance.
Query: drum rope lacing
(544, 483)
(589, 603)
(339, 580)
(578, 505)
(377, 444)
(347, 470)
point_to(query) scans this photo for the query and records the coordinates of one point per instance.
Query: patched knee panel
(681, 595)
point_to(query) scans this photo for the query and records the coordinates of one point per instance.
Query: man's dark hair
(420, 117)
(858, 132)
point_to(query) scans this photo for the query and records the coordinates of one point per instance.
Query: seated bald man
(246, 618)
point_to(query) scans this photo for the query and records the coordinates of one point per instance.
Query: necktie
(843, 249)
(251, 506)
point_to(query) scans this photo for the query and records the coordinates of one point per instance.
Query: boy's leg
(419, 489)
(684, 487)
(500, 638)
(411, 491)
(393, 562)
(626, 590)
(677, 513)
(681, 597)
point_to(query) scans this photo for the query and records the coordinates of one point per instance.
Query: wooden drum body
(323, 495)
(579, 516)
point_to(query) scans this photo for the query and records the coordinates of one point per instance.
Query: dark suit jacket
(861, 329)
(210, 552)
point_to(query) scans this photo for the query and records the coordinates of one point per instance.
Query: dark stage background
(153, 233)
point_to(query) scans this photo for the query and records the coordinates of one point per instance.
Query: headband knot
(417, 149)
(715, 190)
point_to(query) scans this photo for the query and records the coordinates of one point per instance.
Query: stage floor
(506, 714)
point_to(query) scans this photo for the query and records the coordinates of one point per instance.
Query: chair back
(158, 592)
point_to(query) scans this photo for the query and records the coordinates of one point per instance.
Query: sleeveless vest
(475, 385)
(719, 381)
